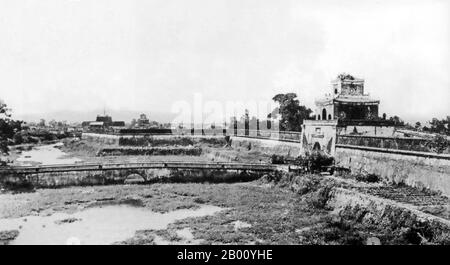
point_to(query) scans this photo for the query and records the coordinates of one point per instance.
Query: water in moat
(46, 155)
(95, 226)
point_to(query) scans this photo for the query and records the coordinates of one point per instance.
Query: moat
(289, 208)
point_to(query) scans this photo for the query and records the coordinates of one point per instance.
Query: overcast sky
(147, 55)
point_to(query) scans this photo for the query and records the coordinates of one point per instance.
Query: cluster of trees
(441, 127)
(395, 120)
(438, 126)
(290, 115)
(290, 111)
(14, 132)
(8, 128)
(52, 124)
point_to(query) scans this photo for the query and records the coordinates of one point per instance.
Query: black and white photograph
(251, 123)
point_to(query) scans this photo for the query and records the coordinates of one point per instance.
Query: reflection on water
(47, 155)
(95, 226)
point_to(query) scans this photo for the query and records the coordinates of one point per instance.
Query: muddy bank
(265, 215)
(282, 209)
(82, 148)
(94, 225)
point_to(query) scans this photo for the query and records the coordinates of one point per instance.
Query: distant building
(96, 125)
(347, 101)
(346, 110)
(102, 123)
(107, 120)
(143, 121)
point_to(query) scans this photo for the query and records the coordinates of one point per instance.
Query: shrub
(315, 161)
(305, 184)
(18, 139)
(274, 177)
(371, 178)
(439, 144)
(277, 159)
(215, 141)
(320, 198)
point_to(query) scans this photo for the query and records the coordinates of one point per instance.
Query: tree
(42, 123)
(418, 125)
(344, 76)
(439, 144)
(440, 126)
(61, 124)
(291, 112)
(133, 123)
(51, 123)
(8, 128)
(397, 121)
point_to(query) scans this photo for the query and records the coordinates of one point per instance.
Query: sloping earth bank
(285, 209)
(356, 215)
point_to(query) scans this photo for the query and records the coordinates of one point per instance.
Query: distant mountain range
(79, 116)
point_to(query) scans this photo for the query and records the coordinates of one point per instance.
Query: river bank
(259, 212)
(261, 207)
(288, 208)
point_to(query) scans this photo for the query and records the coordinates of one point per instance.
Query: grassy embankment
(289, 210)
(285, 210)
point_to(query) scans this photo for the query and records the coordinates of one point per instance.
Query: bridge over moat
(118, 173)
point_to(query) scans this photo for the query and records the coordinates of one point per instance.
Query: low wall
(400, 143)
(417, 169)
(291, 149)
(101, 138)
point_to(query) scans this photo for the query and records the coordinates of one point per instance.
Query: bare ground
(272, 214)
